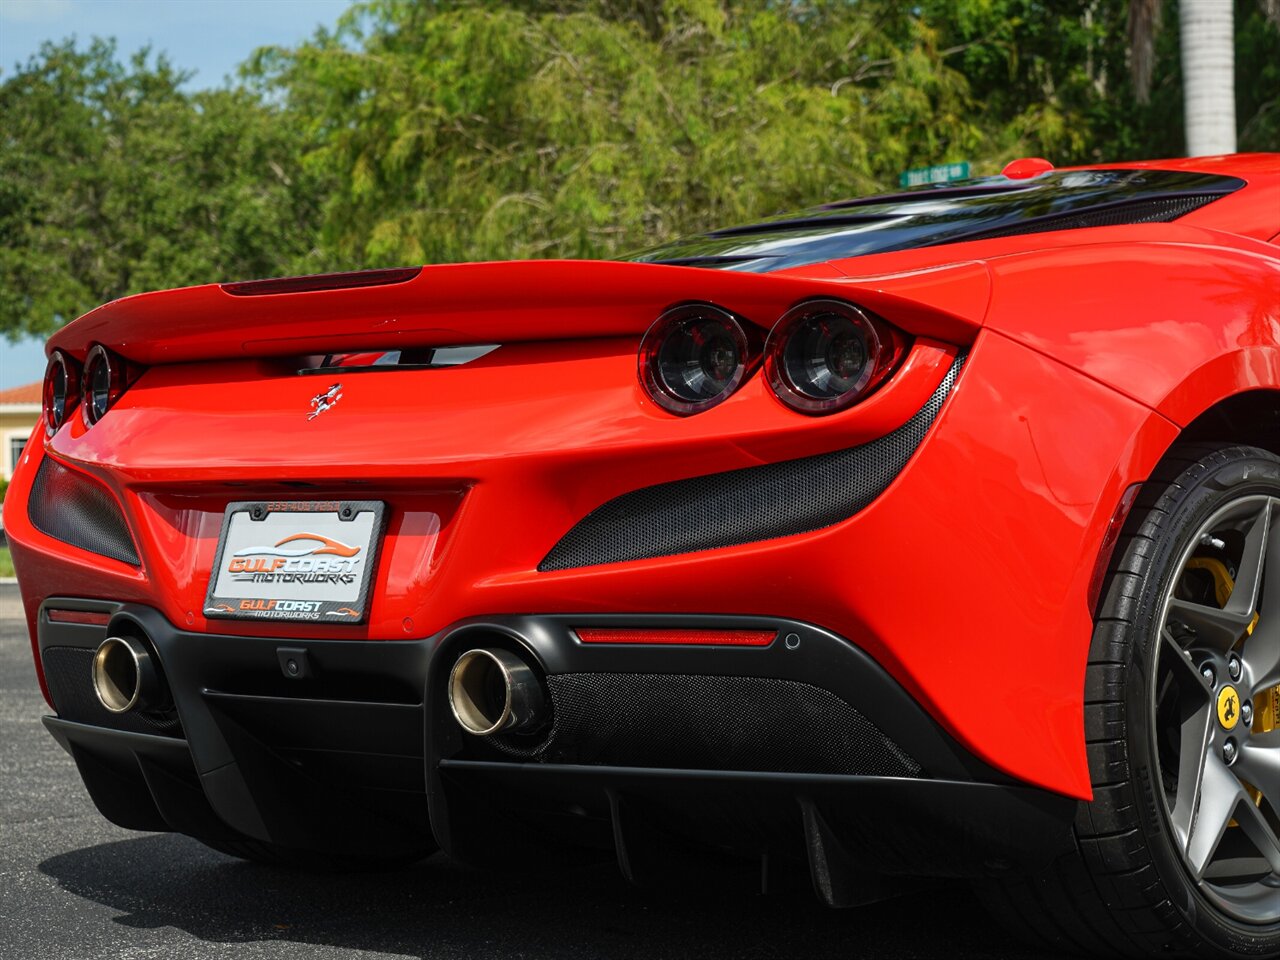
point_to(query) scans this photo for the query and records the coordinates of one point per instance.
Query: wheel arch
(1248, 417)
(1251, 417)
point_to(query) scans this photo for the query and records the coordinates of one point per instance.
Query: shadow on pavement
(440, 909)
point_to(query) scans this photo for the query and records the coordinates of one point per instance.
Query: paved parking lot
(74, 886)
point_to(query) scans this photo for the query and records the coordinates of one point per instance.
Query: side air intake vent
(78, 510)
(748, 505)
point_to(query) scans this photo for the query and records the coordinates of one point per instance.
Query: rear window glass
(948, 213)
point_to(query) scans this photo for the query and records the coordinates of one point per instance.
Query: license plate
(295, 560)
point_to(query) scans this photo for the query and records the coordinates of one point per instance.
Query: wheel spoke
(1244, 598)
(1186, 665)
(1259, 763)
(1262, 656)
(1220, 629)
(1196, 736)
(1262, 649)
(1256, 828)
(1220, 796)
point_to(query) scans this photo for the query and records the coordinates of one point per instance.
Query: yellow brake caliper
(1266, 708)
(1266, 711)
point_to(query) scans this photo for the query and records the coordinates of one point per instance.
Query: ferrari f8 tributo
(934, 534)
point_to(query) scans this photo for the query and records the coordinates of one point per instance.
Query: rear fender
(1175, 326)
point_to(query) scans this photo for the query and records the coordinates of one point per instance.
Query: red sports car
(934, 534)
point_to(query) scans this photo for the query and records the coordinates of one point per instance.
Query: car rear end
(364, 562)
(285, 541)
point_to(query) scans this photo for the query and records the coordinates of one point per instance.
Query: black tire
(1126, 889)
(311, 861)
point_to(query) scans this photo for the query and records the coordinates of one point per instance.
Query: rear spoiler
(473, 303)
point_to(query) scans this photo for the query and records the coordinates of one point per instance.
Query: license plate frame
(294, 566)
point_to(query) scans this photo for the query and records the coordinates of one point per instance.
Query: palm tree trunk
(1208, 75)
(1144, 24)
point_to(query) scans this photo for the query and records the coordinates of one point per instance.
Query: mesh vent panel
(711, 723)
(78, 510)
(744, 506)
(69, 673)
(1147, 211)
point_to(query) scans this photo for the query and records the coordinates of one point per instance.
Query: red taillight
(712, 638)
(106, 378)
(61, 391)
(826, 355)
(693, 357)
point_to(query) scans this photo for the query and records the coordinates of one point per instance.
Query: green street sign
(942, 173)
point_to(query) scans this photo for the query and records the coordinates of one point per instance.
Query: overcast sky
(210, 37)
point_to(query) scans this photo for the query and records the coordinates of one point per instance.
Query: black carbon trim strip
(747, 505)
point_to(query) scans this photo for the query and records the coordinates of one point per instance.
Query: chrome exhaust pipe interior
(125, 676)
(495, 691)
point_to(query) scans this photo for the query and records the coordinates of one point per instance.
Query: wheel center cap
(1229, 707)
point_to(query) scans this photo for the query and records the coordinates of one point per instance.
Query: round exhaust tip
(494, 691)
(126, 676)
(117, 674)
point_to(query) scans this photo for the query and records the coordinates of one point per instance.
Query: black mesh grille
(744, 506)
(69, 673)
(710, 723)
(1145, 211)
(78, 510)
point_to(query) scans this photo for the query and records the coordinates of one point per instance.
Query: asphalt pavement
(74, 886)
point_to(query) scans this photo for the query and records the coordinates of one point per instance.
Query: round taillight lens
(825, 355)
(103, 383)
(693, 357)
(61, 391)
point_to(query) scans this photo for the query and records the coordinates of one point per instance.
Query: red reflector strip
(91, 617)
(714, 638)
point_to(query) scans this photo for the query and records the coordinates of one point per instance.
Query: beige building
(19, 411)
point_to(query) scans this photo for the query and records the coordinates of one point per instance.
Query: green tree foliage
(464, 132)
(1258, 75)
(114, 181)
(1055, 77)
(445, 130)
(1055, 80)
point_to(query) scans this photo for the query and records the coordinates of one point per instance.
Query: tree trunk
(1208, 75)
